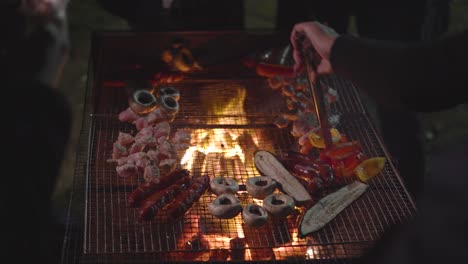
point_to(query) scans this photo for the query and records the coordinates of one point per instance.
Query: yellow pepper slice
(317, 141)
(369, 168)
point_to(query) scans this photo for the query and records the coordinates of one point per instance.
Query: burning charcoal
(259, 237)
(219, 254)
(195, 247)
(262, 254)
(237, 246)
(280, 231)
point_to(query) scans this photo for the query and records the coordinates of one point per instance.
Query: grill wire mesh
(234, 114)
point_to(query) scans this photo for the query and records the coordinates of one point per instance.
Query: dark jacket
(421, 77)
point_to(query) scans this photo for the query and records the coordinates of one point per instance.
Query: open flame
(228, 152)
(218, 151)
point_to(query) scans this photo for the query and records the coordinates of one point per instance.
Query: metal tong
(309, 59)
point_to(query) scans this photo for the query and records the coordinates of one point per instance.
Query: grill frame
(100, 108)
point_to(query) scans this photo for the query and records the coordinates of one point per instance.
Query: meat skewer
(184, 202)
(146, 189)
(155, 202)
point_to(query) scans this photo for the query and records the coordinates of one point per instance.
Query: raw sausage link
(184, 202)
(155, 202)
(146, 189)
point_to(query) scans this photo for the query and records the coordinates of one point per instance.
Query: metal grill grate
(222, 114)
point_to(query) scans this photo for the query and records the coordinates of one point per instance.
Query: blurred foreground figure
(33, 50)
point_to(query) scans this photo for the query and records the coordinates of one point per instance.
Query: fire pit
(229, 113)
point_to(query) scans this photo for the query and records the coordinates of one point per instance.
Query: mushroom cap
(225, 206)
(260, 187)
(254, 215)
(169, 104)
(142, 101)
(279, 204)
(170, 91)
(220, 185)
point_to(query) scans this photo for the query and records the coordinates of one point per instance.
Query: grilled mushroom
(170, 91)
(142, 101)
(225, 206)
(254, 215)
(279, 204)
(169, 104)
(220, 185)
(261, 186)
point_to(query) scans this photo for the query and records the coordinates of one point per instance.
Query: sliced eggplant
(268, 165)
(329, 207)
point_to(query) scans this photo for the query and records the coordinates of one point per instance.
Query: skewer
(317, 96)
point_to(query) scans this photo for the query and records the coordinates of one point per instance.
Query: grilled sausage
(155, 202)
(146, 189)
(271, 70)
(183, 202)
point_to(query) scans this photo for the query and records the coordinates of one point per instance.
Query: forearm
(422, 77)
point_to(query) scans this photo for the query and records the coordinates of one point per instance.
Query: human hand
(308, 36)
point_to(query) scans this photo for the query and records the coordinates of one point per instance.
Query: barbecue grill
(229, 112)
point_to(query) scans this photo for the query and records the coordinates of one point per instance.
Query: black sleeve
(42, 129)
(420, 76)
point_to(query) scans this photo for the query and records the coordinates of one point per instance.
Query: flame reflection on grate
(228, 152)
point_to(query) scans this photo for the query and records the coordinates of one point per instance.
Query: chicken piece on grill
(136, 147)
(127, 170)
(151, 172)
(145, 137)
(128, 115)
(125, 139)
(141, 123)
(153, 155)
(118, 151)
(181, 136)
